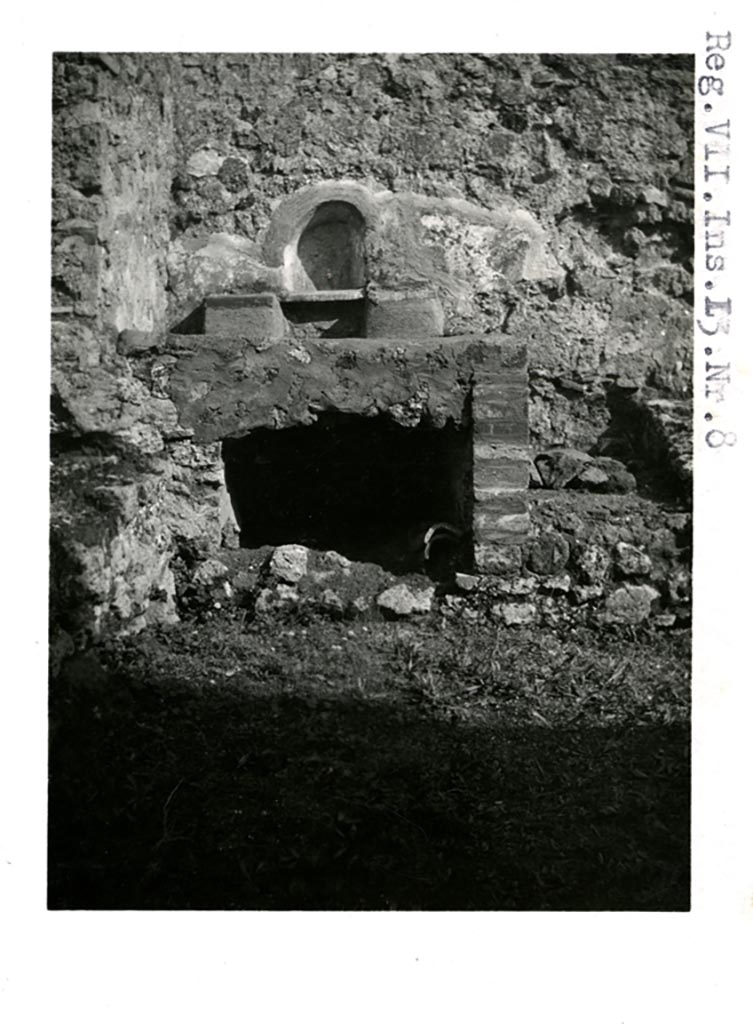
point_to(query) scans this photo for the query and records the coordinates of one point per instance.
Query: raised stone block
(248, 316)
(404, 315)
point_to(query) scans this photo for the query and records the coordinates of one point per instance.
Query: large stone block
(630, 604)
(404, 315)
(249, 316)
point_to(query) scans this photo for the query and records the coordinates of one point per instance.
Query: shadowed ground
(330, 765)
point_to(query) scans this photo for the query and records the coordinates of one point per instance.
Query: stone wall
(544, 198)
(126, 487)
(596, 149)
(112, 168)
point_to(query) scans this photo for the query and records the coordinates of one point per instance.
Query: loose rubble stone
(515, 614)
(561, 583)
(234, 174)
(402, 601)
(516, 586)
(272, 599)
(684, 616)
(679, 522)
(592, 563)
(289, 563)
(453, 604)
(204, 162)
(679, 586)
(332, 602)
(549, 554)
(630, 604)
(631, 561)
(568, 467)
(209, 572)
(358, 606)
(337, 561)
(470, 614)
(463, 581)
(558, 467)
(619, 479)
(594, 478)
(583, 593)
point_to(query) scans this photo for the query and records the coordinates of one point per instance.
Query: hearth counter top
(226, 386)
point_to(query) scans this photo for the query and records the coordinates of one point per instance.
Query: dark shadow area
(170, 797)
(331, 248)
(363, 486)
(193, 323)
(341, 319)
(631, 438)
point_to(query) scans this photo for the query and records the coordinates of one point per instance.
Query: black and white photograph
(376, 545)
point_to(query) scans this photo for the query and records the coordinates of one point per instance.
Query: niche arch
(318, 236)
(329, 253)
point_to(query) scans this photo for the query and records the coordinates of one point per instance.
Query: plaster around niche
(342, 235)
(317, 236)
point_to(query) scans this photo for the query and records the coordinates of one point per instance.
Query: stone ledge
(339, 295)
(227, 385)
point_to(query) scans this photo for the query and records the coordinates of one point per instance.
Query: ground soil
(318, 764)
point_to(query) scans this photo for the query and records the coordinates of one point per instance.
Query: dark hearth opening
(331, 248)
(363, 486)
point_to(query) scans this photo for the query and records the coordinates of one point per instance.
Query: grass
(331, 765)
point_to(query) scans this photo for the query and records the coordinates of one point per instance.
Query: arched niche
(329, 253)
